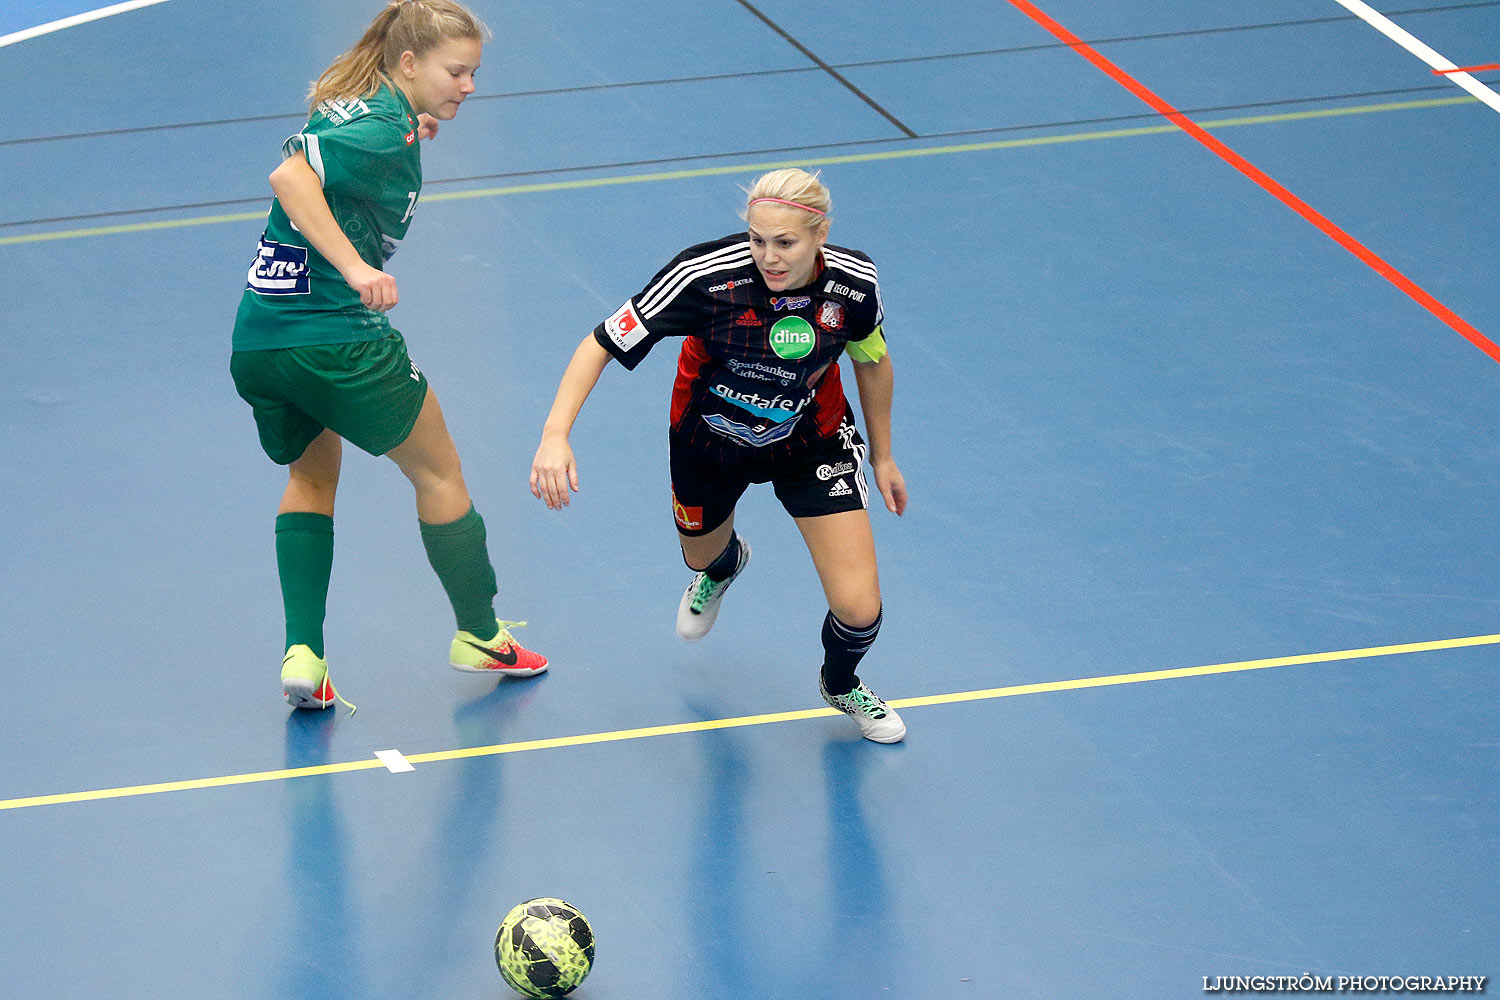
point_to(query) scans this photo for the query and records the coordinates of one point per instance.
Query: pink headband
(793, 204)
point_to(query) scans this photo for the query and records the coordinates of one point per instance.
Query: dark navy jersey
(758, 374)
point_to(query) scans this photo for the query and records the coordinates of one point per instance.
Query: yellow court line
(823, 161)
(1217, 668)
(748, 720)
(189, 785)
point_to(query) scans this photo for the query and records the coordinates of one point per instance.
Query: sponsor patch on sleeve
(625, 327)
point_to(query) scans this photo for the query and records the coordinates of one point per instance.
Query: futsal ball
(544, 948)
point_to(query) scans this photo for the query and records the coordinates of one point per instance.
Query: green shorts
(368, 393)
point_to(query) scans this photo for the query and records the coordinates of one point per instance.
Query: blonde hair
(796, 187)
(404, 25)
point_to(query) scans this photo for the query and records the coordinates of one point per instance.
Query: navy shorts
(828, 478)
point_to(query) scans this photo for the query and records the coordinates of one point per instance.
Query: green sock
(458, 555)
(304, 560)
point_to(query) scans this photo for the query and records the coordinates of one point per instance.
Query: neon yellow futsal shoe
(304, 679)
(500, 655)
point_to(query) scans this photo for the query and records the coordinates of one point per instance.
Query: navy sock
(722, 568)
(843, 647)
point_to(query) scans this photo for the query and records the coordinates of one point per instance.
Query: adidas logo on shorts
(840, 489)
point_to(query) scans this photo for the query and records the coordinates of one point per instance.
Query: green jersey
(366, 154)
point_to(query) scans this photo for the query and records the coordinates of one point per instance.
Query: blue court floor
(1192, 618)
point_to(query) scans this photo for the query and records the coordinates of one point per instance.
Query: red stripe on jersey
(690, 361)
(829, 402)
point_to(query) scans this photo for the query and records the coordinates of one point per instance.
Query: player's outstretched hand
(892, 485)
(377, 290)
(554, 472)
(427, 126)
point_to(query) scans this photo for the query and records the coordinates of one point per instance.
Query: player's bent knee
(858, 613)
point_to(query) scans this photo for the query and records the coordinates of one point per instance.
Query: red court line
(1466, 69)
(1250, 170)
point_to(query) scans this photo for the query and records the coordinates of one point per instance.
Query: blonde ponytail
(403, 26)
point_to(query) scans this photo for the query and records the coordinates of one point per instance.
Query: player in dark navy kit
(765, 315)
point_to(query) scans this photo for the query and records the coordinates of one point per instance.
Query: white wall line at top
(68, 22)
(1421, 50)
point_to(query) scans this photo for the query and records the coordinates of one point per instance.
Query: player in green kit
(319, 362)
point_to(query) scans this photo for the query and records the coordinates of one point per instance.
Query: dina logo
(792, 338)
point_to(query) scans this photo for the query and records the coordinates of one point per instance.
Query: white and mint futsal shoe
(877, 720)
(700, 602)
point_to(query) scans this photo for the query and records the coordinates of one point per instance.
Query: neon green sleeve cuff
(869, 350)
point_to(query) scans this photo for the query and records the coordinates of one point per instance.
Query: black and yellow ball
(544, 948)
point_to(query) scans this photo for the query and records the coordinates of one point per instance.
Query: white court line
(68, 22)
(1421, 50)
(394, 761)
